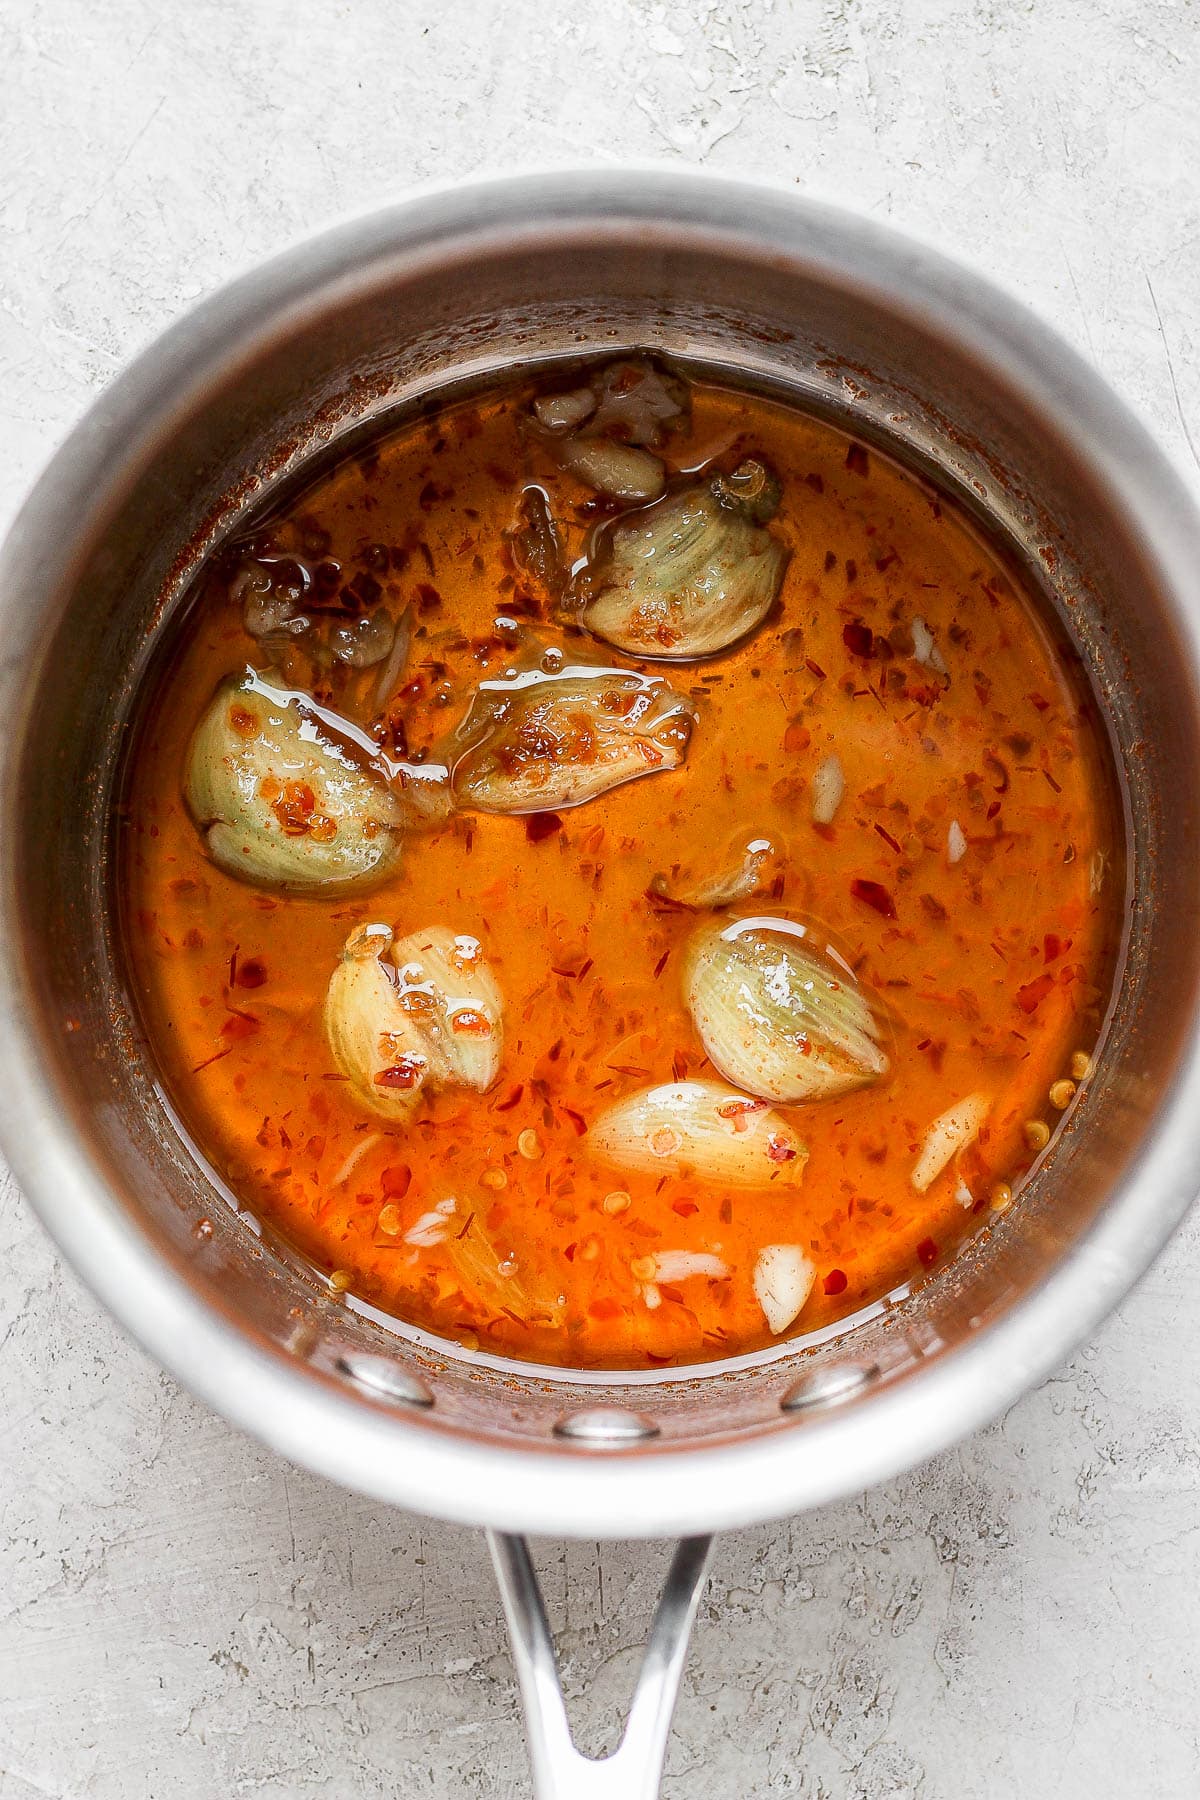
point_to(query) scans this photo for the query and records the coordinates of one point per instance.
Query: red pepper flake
(933, 907)
(888, 838)
(539, 826)
(1030, 997)
(1037, 700)
(927, 1252)
(885, 562)
(858, 638)
(992, 811)
(835, 1282)
(215, 1057)
(395, 1181)
(779, 1150)
(796, 737)
(404, 1073)
(577, 1120)
(661, 964)
(685, 1208)
(252, 973)
(857, 460)
(873, 894)
(513, 1099)
(605, 1308)
(830, 561)
(1054, 784)
(815, 482)
(814, 668)
(1052, 947)
(428, 598)
(431, 493)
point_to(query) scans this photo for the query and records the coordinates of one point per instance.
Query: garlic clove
(621, 471)
(684, 578)
(957, 1127)
(540, 741)
(700, 1128)
(403, 1016)
(280, 800)
(492, 1272)
(778, 1015)
(445, 984)
(783, 1280)
(564, 412)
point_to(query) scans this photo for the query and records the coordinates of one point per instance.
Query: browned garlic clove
(542, 740)
(700, 1128)
(777, 1014)
(621, 471)
(280, 800)
(403, 1015)
(689, 576)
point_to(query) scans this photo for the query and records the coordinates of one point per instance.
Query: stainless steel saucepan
(854, 322)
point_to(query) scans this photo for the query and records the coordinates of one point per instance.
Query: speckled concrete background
(180, 1614)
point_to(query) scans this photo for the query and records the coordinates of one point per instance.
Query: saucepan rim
(550, 1487)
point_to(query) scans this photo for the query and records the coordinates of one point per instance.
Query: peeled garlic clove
(373, 1038)
(541, 741)
(621, 471)
(957, 1127)
(280, 801)
(684, 578)
(778, 1015)
(445, 985)
(403, 1016)
(638, 401)
(783, 1280)
(564, 412)
(700, 1128)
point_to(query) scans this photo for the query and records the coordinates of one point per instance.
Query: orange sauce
(991, 971)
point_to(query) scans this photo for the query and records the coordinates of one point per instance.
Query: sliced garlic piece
(688, 576)
(700, 1128)
(681, 1265)
(491, 1271)
(783, 1280)
(539, 741)
(280, 800)
(956, 843)
(403, 1016)
(957, 1127)
(828, 790)
(748, 870)
(778, 1015)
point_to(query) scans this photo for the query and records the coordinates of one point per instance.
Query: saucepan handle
(634, 1769)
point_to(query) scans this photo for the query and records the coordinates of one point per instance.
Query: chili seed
(1081, 1065)
(589, 1250)
(340, 1280)
(642, 1268)
(494, 1178)
(389, 1220)
(1001, 1197)
(529, 1144)
(1062, 1094)
(1037, 1133)
(617, 1202)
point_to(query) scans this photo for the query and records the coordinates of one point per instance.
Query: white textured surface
(181, 1615)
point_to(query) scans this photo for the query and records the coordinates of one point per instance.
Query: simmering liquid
(893, 771)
